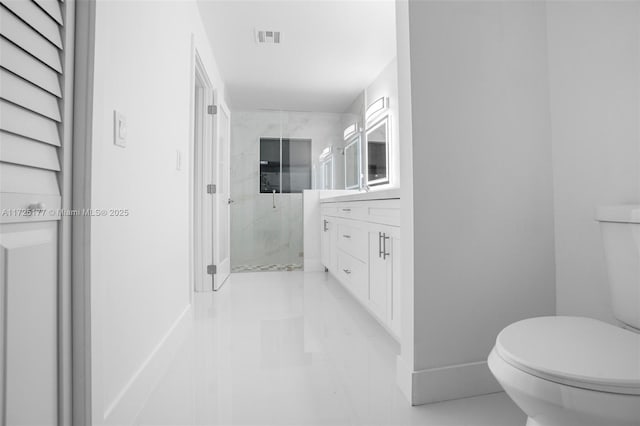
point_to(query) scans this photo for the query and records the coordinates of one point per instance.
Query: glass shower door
(271, 166)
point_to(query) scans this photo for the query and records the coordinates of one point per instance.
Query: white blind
(31, 71)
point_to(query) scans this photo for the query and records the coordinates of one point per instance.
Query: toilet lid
(579, 352)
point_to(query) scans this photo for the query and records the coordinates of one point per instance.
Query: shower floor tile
(267, 268)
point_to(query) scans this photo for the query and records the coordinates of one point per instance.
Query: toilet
(574, 371)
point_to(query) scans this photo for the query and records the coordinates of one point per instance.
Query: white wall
(405, 361)
(260, 234)
(355, 111)
(140, 264)
(482, 187)
(594, 68)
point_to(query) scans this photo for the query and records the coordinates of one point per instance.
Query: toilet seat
(579, 352)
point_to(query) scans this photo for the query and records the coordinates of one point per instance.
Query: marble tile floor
(293, 348)
(267, 268)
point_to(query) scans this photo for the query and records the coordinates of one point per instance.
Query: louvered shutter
(30, 94)
(32, 55)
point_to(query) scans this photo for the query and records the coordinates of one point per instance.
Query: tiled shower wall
(260, 233)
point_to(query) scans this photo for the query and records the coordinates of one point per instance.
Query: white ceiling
(330, 51)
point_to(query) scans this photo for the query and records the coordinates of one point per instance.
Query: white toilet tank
(620, 227)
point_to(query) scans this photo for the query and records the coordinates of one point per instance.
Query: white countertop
(383, 194)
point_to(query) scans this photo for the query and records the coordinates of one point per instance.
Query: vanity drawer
(353, 239)
(384, 212)
(353, 274)
(329, 210)
(350, 211)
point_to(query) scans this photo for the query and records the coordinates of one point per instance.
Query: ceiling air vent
(268, 37)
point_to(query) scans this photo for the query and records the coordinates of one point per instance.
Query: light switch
(178, 159)
(119, 129)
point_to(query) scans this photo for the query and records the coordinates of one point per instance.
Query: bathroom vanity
(360, 246)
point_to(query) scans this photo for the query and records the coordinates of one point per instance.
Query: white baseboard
(404, 377)
(124, 409)
(445, 383)
(313, 265)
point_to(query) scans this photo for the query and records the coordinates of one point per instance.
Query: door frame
(78, 249)
(66, 286)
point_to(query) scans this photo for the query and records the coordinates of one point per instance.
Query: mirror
(352, 163)
(378, 153)
(327, 173)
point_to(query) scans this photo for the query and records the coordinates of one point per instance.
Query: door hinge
(212, 269)
(211, 188)
(212, 109)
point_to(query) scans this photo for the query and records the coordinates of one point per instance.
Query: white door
(212, 127)
(203, 178)
(32, 139)
(222, 226)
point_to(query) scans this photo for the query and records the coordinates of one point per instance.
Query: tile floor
(293, 348)
(267, 268)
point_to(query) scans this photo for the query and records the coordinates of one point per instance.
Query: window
(269, 165)
(285, 165)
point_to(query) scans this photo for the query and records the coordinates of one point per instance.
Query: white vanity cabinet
(361, 247)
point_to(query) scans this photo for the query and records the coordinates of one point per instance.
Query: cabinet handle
(347, 271)
(346, 210)
(324, 225)
(380, 251)
(384, 247)
(36, 207)
(346, 236)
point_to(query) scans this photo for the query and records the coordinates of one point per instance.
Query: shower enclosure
(274, 157)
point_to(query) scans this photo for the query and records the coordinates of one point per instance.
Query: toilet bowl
(568, 371)
(573, 371)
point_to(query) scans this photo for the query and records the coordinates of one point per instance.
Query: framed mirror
(326, 168)
(352, 163)
(377, 167)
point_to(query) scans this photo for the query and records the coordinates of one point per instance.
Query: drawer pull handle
(346, 210)
(385, 253)
(382, 245)
(347, 271)
(346, 236)
(36, 207)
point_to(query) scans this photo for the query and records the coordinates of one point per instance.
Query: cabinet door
(28, 290)
(380, 274)
(328, 243)
(325, 247)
